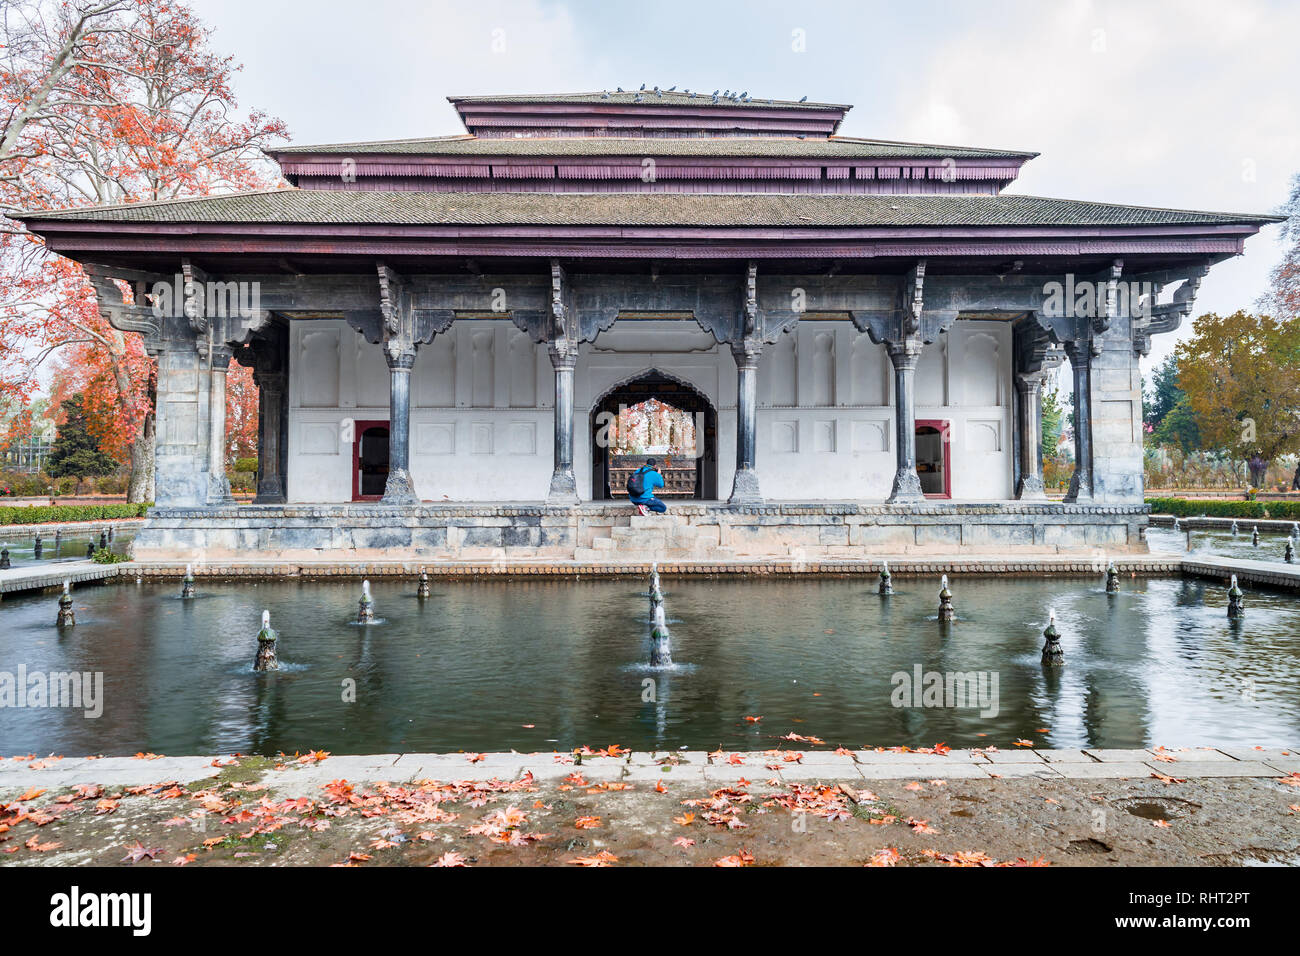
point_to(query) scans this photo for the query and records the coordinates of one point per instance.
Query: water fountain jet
(655, 592)
(946, 611)
(1053, 656)
(36, 546)
(661, 641)
(1254, 536)
(366, 606)
(66, 618)
(422, 591)
(1288, 553)
(1112, 578)
(187, 583)
(886, 582)
(103, 539)
(4, 559)
(1234, 528)
(1236, 600)
(266, 659)
(90, 549)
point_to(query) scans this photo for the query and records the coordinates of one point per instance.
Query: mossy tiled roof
(322, 207)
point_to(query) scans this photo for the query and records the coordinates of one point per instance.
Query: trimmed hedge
(1219, 508)
(53, 514)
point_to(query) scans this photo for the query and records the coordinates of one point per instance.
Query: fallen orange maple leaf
(603, 858)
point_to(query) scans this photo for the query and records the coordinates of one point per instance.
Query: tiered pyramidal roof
(642, 173)
(655, 141)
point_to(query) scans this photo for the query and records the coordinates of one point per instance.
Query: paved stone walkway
(39, 576)
(684, 766)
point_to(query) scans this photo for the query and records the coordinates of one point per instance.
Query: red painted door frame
(359, 429)
(942, 425)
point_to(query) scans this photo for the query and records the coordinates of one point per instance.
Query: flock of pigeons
(717, 95)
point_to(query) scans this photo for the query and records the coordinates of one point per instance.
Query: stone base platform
(607, 533)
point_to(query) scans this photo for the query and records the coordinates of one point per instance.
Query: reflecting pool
(68, 547)
(1272, 545)
(541, 665)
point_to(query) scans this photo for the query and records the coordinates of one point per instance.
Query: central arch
(671, 391)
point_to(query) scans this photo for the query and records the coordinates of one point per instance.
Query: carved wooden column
(1079, 352)
(399, 489)
(904, 357)
(403, 329)
(744, 487)
(267, 354)
(270, 482)
(564, 486)
(219, 367)
(1030, 388)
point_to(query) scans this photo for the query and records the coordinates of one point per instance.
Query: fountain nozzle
(946, 610)
(66, 617)
(266, 659)
(1053, 656)
(1236, 599)
(366, 606)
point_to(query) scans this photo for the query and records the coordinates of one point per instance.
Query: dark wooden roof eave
(89, 242)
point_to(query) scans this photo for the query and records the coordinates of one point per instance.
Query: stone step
(603, 544)
(646, 537)
(653, 521)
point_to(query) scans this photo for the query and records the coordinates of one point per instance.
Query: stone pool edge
(1268, 573)
(696, 767)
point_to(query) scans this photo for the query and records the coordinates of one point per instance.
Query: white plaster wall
(965, 379)
(481, 420)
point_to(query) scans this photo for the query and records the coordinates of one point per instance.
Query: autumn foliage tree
(1238, 373)
(1283, 298)
(105, 101)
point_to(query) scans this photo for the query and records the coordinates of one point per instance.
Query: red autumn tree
(241, 413)
(106, 101)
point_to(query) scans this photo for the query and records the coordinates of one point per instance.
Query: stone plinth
(611, 533)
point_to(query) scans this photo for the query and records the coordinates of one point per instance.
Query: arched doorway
(654, 415)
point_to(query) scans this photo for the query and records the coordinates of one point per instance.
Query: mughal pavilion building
(449, 332)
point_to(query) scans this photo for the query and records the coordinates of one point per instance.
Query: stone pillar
(270, 481)
(180, 479)
(218, 483)
(399, 489)
(907, 483)
(1080, 354)
(564, 486)
(744, 487)
(1030, 487)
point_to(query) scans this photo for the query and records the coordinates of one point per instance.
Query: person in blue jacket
(648, 477)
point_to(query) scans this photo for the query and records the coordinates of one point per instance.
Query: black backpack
(636, 482)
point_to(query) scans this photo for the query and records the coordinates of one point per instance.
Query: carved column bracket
(1153, 318)
(402, 330)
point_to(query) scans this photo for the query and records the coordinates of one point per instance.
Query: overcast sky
(1186, 103)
